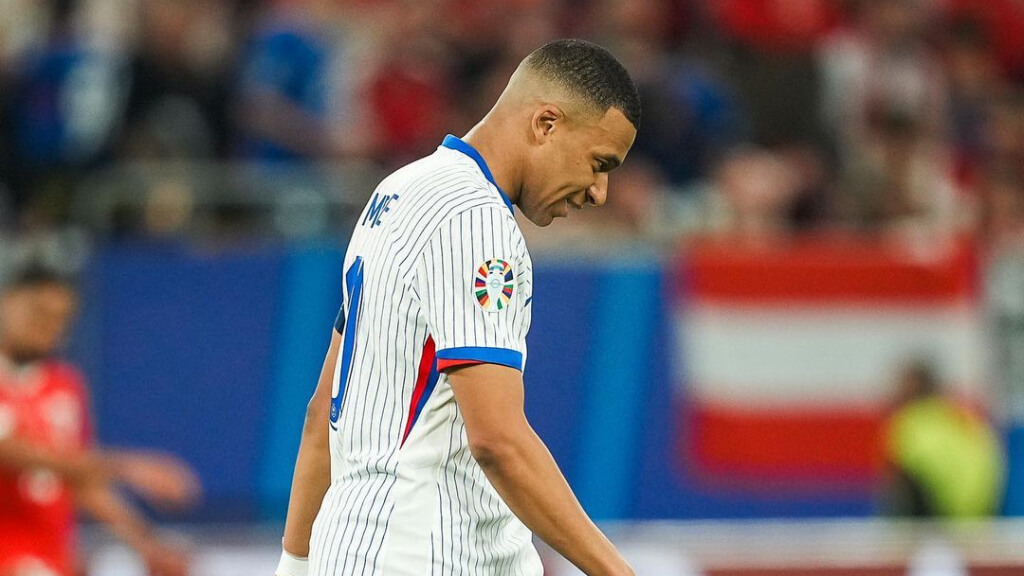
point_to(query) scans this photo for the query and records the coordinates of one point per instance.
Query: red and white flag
(788, 353)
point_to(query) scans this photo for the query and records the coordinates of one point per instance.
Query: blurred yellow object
(952, 454)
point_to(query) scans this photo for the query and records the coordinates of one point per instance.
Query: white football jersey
(436, 275)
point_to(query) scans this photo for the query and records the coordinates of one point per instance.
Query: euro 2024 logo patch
(494, 284)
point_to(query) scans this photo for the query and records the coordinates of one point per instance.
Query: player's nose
(597, 194)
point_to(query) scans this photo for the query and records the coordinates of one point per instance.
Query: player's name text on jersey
(379, 205)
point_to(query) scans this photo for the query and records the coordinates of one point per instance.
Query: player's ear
(544, 121)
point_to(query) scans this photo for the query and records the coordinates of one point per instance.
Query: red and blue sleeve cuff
(469, 355)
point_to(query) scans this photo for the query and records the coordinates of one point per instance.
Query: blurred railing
(201, 199)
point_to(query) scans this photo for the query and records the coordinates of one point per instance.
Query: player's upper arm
(467, 283)
(320, 404)
(490, 397)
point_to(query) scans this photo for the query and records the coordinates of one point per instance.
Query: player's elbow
(317, 410)
(495, 451)
(489, 455)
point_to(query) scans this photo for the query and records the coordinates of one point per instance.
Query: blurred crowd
(760, 116)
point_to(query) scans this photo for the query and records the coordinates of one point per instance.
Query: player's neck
(12, 360)
(7, 365)
(486, 138)
(22, 378)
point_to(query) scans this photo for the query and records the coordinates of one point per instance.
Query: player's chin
(553, 214)
(559, 210)
(542, 218)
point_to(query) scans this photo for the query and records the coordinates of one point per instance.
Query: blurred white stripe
(823, 355)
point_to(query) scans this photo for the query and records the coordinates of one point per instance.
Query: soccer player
(416, 456)
(47, 462)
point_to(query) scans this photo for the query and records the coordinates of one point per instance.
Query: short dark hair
(37, 276)
(591, 72)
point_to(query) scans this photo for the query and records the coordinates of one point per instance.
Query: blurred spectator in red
(285, 95)
(48, 465)
(944, 460)
(782, 26)
(410, 87)
(177, 90)
(1002, 22)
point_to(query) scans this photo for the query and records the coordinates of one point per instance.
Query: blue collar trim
(455, 143)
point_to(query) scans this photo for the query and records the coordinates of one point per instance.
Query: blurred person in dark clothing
(49, 465)
(65, 105)
(22, 30)
(176, 99)
(691, 108)
(691, 111)
(7, 164)
(482, 36)
(772, 66)
(975, 87)
(943, 459)
(484, 50)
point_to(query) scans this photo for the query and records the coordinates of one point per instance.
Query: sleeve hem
(452, 357)
(443, 365)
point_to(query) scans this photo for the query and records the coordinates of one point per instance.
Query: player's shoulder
(446, 182)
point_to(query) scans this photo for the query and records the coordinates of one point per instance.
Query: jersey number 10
(354, 289)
